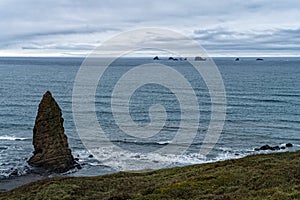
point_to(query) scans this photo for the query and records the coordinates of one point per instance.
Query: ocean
(262, 107)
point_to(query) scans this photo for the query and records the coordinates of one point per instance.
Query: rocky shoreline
(262, 176)
(52, 155)
(274, 148)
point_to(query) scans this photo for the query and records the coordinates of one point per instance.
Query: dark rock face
(289, 145)
(263, 148)
(51, 150)
(275, 148)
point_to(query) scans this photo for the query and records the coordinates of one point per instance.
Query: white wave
(164, 142)
(14, 169)
(12, 138)
(229, 155)
(126, 160)
(95, 164)
(81, 153)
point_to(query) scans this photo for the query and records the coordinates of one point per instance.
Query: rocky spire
(51, 150)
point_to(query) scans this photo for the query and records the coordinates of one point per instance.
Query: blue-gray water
(263, 107)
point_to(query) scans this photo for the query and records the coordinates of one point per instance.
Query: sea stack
(51, 149)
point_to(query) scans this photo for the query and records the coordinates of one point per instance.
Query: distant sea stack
(51, 149)
(198, 58)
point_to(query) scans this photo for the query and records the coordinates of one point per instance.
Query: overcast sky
(76, 27)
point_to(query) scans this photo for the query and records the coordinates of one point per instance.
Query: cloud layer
(233, 27)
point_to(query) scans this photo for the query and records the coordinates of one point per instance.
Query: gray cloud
(285, 41)
(78, 26)
(266, 37)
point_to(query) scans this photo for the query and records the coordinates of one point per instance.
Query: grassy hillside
(271, 176)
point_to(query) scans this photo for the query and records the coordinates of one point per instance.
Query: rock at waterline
(289, 145)
(51, 149)
(274, 148)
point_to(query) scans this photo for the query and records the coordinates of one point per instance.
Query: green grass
(270, 176)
